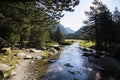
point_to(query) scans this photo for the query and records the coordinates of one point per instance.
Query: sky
(74, 20)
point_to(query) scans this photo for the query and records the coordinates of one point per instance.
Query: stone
(35, 50)
(68, 65)
(37, 58)
(27, 57)
(75, 79)
(4, 67)
(5, 50)
(53, 51)
(51, 61)
(57, 48)
(74, 72)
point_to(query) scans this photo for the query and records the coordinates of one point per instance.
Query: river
(71, 65)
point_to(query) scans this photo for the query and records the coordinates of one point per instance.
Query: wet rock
(80, 47)
(85, 49)
(74, 72)
(87, 54)
(75, 79)
(57, 48)
(68, 65)
(53, 52)
(51, 61)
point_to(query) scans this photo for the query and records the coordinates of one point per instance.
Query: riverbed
(71, 65)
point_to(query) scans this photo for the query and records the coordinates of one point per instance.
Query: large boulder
(53, 51)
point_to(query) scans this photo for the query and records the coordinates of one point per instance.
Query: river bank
(107, 65)
(27, 63)
(69, 64)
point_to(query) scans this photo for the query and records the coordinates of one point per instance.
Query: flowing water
(71, 65)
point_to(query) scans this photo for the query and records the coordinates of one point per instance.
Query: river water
(71, 65)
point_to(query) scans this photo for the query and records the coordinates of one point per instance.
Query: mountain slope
(69, 30)
(75, 35)
(63, 29)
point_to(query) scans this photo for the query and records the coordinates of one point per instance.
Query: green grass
(86, 43)
(51, 44)
(70, 41)
(10, 59)
(45, 54)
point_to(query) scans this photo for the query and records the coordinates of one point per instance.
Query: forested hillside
(28, 23)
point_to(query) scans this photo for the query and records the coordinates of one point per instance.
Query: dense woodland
(103, 27)
(29, 23)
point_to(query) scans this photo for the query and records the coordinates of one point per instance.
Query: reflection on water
(71, 65)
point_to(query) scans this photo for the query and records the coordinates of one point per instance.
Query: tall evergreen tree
(100, 17)
(116, 19)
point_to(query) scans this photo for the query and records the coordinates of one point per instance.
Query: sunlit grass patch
(49, 44)
(87, 43)
(70, 41)
(45, 54)
(11, 58)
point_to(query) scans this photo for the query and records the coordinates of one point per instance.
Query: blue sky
(74, 20)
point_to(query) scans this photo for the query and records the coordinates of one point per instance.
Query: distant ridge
(69, 30)
(64, 30)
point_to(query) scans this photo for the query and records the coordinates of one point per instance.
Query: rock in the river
(74, 72)
(51, 61)
(85, 49)
(53, 51)
(68, 65)
(57, 48)
(87, 54)
(75, 79)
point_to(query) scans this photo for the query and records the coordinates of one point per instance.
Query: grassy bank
(87, 43)
(70, 41)
(11, 59)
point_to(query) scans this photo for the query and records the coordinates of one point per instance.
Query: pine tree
(100, 17)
